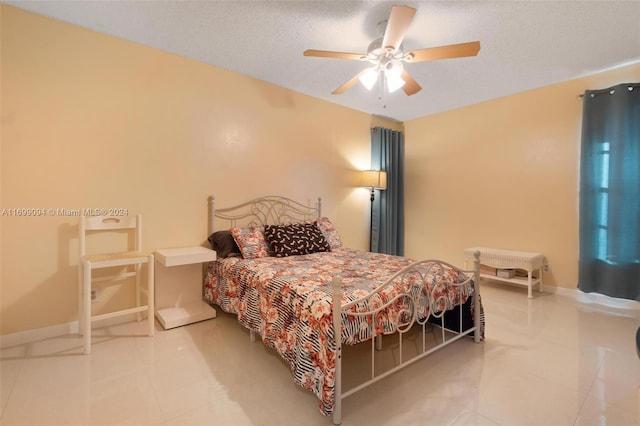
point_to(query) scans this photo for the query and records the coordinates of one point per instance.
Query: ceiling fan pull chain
(382, 88)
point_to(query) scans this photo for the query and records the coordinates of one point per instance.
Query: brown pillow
(224, 244)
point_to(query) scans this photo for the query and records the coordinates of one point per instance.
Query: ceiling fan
(388, 58)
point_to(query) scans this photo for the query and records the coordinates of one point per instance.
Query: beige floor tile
(545, 361)
(595, 412)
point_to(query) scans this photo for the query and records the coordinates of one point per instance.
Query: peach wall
(90, 120)
(501, 174)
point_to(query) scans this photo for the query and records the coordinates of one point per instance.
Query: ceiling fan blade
(446, 52)
(411, 87)
(397, 25)
(349, 84)
(335, 55)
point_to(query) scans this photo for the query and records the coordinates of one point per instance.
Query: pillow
(224, 244)
(295, 239)
(251, 242)
(330, 232)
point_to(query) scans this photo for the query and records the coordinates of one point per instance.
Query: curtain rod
(630, 86)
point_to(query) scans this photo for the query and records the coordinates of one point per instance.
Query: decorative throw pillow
(224, 244)
(251, 242)
(295, 239)
(330, 232)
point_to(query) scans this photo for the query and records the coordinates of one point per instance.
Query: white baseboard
(598, 301)
(37, 334)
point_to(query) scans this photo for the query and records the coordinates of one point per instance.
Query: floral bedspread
(288, 302)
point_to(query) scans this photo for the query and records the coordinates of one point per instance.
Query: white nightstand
(178, 286)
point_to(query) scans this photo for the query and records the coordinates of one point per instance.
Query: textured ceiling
(524, 44)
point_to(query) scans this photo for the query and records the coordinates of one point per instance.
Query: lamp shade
(394, 82)
(369, 77)
(393, 76)
(374, 179)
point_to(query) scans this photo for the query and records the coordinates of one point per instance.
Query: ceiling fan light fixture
(394, 82)
(369, 77)
(393, 67)
(388, 57)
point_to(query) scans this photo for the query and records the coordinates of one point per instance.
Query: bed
(283, 270)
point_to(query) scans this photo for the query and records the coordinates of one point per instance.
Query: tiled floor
(546, 361)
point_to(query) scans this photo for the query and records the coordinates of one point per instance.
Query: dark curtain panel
(610, 192)
(387, 228)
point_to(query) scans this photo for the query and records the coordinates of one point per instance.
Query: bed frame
(278, 210)
(268, 210)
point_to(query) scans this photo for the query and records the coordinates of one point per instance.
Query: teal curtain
(610, 192)
(387, 224)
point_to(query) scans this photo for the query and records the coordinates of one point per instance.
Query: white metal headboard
(268, 210)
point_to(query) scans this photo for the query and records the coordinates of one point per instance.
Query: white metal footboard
(415, 302)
